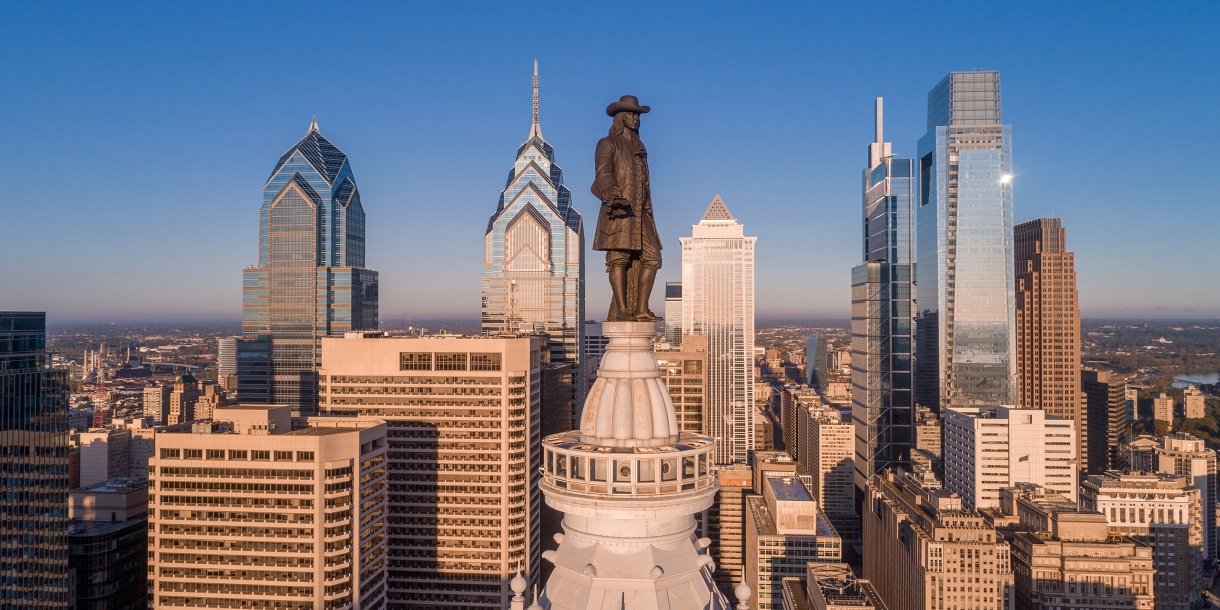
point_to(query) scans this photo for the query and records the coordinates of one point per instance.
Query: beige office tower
(1188, 456)
(684, 371)
(924, 550)
(182, 400)
(1193, 403)
(464, 421)
(156, 403)
(726, 520)
(207, 403)
(249, 513)
(1162, 409)
(826, 438)
(1163, 511)
(104, 453)
(785, 530)
(1048, 324)
(1068, 554)
(927, 431)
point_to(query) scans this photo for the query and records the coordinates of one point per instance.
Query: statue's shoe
(647, 316)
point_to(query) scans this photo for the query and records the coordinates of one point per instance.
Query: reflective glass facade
(533, 255)
(883, 303)
(310, 281)
(718, 303)
(965, 319)
(33, 467)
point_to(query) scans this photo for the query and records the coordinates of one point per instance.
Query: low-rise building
(1063, 555)
(989, 449)
(108, 544)
(785, 531)
(1164, 511)
(924, 550)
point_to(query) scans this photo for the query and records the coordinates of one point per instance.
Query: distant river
(1185, 379)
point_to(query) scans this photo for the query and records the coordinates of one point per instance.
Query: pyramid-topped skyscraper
(533, 253)
(310, 281)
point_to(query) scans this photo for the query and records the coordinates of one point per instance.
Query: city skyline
(798, 123)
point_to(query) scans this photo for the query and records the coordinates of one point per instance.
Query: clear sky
(136, 138)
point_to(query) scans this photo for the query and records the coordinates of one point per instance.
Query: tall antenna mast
(536, 129)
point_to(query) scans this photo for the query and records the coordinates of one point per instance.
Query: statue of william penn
(626, 230)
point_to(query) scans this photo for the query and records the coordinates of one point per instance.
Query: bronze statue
(626, 230)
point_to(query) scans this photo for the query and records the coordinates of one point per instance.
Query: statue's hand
(612, 195)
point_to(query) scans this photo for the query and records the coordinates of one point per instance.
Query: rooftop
(102, 528)
(788, 489)
(764, 521)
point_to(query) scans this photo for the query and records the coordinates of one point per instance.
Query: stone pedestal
(629, 485)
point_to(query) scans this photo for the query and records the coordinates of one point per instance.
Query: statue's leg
(648, 263)
(616, 266)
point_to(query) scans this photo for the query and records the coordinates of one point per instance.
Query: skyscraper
(226, 357)
(673, 313)
(533, 253)
(965, 340)
(34, 467)
(718, 303)
(310, 281)
(1108, 428)
(882, 304)
(1048, 325)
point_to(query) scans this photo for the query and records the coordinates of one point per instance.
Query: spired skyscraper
(310, 281)
(965, 341)
(718, 303)
(533, 253)
(882, 302)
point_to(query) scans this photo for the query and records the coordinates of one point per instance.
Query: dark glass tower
(33, 468)
(310, 281)
(883, 303)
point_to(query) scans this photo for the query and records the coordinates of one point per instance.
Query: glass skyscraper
(310, 281)
(882, 308)
(965, 342)
(718, 303)
(33, 467)
(533, 254)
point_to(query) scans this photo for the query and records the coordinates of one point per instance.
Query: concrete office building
(1162, 409)
(108, 542)
(250, 512)
(156, 402)
(104, 453)
(673, 313)
(182, 400)
(1164, 511)
(1188, 456)
(1108, 428)
(1048, 325)
(464, 419)
(987, 450)
(1133, 401)
(718, 303)
(726, 523)
(1063, 553)
(1193, 403)
(785, 531)
(212, 398)
(830, 586)
(310, 281)
(594, 346)
(34, 467)
(826, 438)
(882, 306)
(966, 342)
(533, 253)
(684, 372)
(924, 550)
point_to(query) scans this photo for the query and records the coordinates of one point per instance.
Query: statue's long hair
(617, 128)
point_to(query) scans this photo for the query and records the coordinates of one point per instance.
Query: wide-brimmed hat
(627, 103)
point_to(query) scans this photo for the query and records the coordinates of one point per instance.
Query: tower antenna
(536, 129)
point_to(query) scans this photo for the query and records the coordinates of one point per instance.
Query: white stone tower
(629, 484)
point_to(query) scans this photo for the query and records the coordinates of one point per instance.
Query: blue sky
(136, 138)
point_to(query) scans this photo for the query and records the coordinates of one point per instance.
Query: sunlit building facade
(310, 281)
(882, 302)
(965, 320)
(718, 303)
(533, 253)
